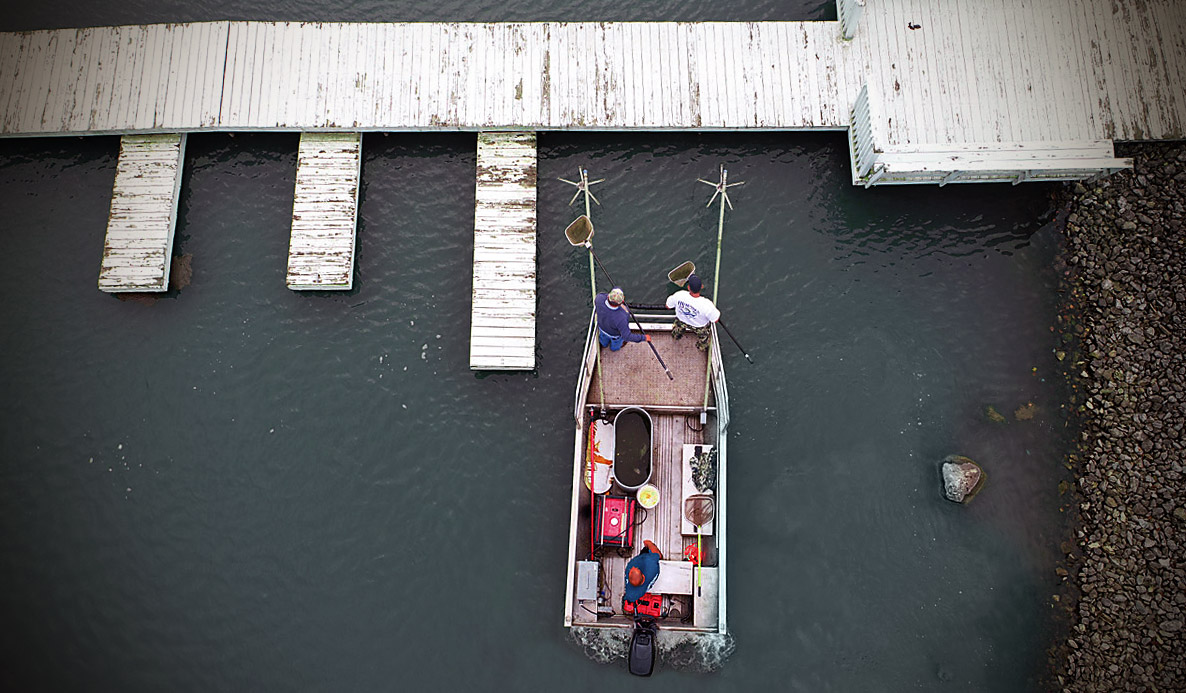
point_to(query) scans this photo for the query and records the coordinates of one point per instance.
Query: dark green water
(632, 449)
(240, 487)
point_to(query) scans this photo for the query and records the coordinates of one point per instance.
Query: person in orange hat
(642, 571)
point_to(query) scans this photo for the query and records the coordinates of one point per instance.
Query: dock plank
(325, 212)
(502, 318)
(141, 223)
(993, 71)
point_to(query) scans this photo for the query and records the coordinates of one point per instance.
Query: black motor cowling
(642, 647)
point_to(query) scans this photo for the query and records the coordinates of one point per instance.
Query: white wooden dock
(969, 72)
(139, 246)
(325, 211)
(502, 317)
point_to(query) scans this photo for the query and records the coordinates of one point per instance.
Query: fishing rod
(739, 347)
(690, 269)
(583, 223)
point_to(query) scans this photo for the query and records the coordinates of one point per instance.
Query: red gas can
(647, 605)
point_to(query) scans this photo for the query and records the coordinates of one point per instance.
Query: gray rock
(962, 478)
(1124, 278)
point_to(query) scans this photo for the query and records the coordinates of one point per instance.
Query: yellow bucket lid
(648, 496)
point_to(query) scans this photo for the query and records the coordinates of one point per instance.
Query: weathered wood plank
(502, 322)
(325, 210)
(996, 70)
(59, 63)
(141, 223)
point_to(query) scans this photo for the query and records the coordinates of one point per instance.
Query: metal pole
(582, 186)
(716, 275)
(593, 289)
(722, 189)
(592, 270)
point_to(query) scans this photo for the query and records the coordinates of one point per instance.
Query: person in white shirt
(693, 313)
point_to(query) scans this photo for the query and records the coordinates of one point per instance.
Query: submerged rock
(994, 415)
(181, 272)
(962, 478)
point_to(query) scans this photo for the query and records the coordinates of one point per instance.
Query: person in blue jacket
(642, 571)
(613, 320)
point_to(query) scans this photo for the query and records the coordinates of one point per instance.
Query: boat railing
(586, 376)
(718, 378)
(722, 395)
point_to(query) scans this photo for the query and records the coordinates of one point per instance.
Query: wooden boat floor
(662, 523)
(634, 376)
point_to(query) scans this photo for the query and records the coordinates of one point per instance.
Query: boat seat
(675, 577)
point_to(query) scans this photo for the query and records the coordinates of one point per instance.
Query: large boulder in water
(962, 478)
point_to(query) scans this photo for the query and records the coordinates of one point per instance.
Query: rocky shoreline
(1124, 330)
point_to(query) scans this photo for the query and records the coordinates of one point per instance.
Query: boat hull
(687, 417)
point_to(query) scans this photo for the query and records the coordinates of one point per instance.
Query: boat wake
(697, 652)
(603, 645)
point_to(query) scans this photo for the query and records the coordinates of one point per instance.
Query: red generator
(647, 605)
(613, 521)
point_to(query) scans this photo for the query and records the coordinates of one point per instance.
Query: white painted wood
(849, 12)
(128, 76)
(502, 321)
(707, 604)
(992, 71)
(675, 577)
(10, 47)
(233, 74)
(140, 226)
(59, 57)
(186, 107)
(33, 67)
(325, 212)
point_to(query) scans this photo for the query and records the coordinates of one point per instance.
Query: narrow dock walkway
(139, 246)
(325, 211)
(502, 318)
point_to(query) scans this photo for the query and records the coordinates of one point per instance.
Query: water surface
(244, 487)
(241, 487)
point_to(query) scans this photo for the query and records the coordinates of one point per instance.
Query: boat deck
(672, 430)
(634, 376)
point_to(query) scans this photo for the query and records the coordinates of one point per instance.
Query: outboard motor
(642, 646)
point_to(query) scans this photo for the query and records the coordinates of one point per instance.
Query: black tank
(632, 449)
